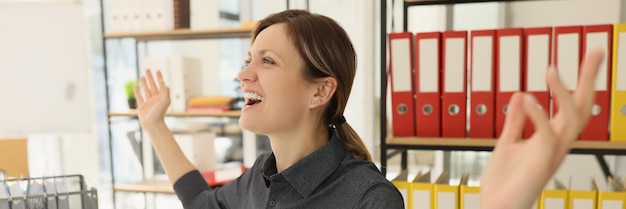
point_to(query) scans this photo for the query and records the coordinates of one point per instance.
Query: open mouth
(250, 102)
(252, 98)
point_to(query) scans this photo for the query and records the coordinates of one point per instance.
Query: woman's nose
(247, 74)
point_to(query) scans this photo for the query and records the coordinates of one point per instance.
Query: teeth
(253, 96)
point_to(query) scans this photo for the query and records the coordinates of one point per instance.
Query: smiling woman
(296, 82)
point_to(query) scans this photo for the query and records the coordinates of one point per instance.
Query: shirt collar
(307, 174)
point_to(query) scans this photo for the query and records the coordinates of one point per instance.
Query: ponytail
(351, 140)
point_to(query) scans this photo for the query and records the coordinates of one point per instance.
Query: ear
(323, 91)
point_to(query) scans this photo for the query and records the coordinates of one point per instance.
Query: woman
(296, 83)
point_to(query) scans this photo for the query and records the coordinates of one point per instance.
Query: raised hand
(519, 169)
(151, 109)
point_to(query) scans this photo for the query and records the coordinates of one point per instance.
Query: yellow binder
(469, 197)
(554, 196)
(611, 195)
(618, 86)
(404, 187)
(582, 196)
(446, 195)
(422, 192)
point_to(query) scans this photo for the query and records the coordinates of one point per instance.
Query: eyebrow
(277, 58)
(262, 51)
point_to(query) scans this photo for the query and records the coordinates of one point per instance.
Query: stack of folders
(128, 16)
(456, 84)
(422, 193)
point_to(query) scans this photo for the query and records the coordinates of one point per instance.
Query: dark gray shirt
(327, 178)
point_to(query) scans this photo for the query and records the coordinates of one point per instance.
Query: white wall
(357, 18)
(263, 8)
(570, 12)
(64, 152)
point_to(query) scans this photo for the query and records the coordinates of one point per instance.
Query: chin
(250, 125)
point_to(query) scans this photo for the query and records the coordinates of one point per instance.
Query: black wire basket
(52, 192)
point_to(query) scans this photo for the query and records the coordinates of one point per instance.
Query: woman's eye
(246, 63)
(267, 61)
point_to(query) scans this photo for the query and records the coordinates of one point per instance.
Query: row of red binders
(459, 83)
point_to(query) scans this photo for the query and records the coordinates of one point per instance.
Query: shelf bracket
(603, 165)
(136, 145)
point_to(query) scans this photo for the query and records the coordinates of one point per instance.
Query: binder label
(583, 204)
(612, 204)
(429, 65)
(482, 63)
(422, 199)
(567, 59)
(599, 39)
(454, 58)
(538, 56)
(554, 203)
(401, 64)
(471, 201)
(510, 63)
(446, 200)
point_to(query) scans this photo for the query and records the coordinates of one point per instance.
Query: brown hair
(327, 51)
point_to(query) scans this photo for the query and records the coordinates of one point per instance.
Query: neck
(293, 146)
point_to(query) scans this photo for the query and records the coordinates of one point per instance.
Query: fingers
(562, 96)
(146, 88)
(138, 96)
(150, 87)
(539, 118)
(514, 122)
(160, 79)
(567, 115)
(584, 95)
(153, 87)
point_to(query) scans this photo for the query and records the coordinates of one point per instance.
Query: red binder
(454, 75)
(536, 63)
(428, 87)
(509, 65)
(401, 76)
(598, 124)
(567, 57)
(482, 89)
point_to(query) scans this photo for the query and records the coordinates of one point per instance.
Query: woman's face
(273, 85)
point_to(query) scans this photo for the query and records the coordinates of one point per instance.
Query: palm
(520, 163)
(153, 107)
(519, 169)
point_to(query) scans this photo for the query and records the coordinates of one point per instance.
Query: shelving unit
(133, 113)
(473, 144)
(391, 146)
(149, 185)
(146, 186)
(185, 34)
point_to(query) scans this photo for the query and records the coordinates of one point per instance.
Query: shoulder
(365, 172)
(370, 186)
(380, 195)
